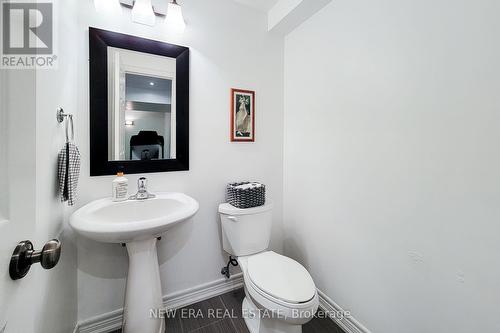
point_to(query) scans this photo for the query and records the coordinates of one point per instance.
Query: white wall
(230, 47)
(391, 167)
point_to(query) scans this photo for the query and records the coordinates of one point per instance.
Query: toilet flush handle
(232, 218)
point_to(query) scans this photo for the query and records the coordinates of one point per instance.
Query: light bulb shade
(143, 12)
(175, 21)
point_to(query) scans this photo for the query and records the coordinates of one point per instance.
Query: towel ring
(61, 116)
(69, 122)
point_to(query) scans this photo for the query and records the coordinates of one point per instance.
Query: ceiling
(263, 5)
(148, 82)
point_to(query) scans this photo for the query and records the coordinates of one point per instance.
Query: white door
(17, 195)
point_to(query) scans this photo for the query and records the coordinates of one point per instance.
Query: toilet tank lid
(226, 208)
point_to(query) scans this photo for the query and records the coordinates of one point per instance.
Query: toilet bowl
(280, 295)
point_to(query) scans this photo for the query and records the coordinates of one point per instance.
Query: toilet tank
(245, 231)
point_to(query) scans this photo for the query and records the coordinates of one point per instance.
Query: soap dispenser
(120, 187)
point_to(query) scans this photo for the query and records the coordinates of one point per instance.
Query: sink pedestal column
(143, 296)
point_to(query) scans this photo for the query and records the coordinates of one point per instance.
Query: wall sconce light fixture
(175, 20)
(144, 11)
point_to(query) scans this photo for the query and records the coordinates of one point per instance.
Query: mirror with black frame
(139, 104)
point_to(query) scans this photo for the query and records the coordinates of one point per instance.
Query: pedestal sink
(137, 223)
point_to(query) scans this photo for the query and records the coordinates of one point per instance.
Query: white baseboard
(112, 321)
(202, 292)
(347, 323)
(104, 323)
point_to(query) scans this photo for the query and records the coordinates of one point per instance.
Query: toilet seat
(280, 279)
(271, 297)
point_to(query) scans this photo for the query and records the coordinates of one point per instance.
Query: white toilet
(280, 293)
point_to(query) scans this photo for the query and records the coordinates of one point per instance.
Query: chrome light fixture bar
(159, 6)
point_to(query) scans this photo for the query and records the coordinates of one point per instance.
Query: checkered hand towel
(68, 171)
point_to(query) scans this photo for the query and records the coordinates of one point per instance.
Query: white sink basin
(137, 223)
(132, 220)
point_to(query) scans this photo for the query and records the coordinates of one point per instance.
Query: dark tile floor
(222, 314)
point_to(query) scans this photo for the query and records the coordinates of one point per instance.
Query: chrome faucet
(142, 190)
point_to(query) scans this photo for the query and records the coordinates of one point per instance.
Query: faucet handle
(142, 183)
(142, 190)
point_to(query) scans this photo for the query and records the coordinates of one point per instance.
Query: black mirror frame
(99, 40)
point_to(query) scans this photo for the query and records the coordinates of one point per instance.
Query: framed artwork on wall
(242, 115)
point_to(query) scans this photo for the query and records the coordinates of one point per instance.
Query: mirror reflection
(142, 106)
